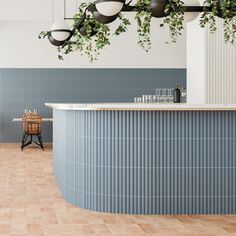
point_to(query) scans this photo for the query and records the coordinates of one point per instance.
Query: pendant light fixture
(109, 7)
(157, 8)
(102, 12)
(60, 33)
(106, 11)
(55, 42)
(104, 19)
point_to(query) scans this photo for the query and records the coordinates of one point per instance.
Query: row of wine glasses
(29, 111)
(163, 95)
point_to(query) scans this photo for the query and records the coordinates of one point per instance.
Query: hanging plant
(91, 46)
(91, 32)
(85, 43)
(143, 18)
(230, 30)
(123, 26)
(174, 18)
(91, 36)
(224, 9)
(228, 9)
(208, 17)
(44, 34)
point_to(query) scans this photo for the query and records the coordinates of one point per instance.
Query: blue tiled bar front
(147, 162)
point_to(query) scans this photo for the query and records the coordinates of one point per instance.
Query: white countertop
(142, 106)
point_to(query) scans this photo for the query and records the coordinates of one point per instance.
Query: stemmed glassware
(163, 95)
(170, 96)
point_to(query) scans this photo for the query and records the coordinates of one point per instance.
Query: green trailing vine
(174, 18)
(209, 17)
(123, 26)
(86, 44)
(89, 44)
(44, 34)
(226, 9)
(230, 30)
(143, 18)
(92, 36)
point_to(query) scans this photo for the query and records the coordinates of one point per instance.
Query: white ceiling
(37, 10)
(24, 10)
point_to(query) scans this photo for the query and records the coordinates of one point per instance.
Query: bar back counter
(146, 158)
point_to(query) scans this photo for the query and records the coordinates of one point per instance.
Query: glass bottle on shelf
(183, 95)
(177, 94)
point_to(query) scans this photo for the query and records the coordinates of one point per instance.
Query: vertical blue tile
(142, 162)
(31, 88)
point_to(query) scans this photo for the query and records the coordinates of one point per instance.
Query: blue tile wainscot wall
(147, 162)
(31, 88)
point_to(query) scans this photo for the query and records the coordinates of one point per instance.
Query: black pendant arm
(67, 43)
(127, 4)
(81, 20)
(128, 8)
(197, 9)
(92, 8)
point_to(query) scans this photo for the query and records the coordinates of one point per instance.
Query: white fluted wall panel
(220, 78)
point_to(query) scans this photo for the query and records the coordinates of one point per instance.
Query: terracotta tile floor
(31, 204)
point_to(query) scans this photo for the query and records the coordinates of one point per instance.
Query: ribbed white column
(220, 78)
(211, 66)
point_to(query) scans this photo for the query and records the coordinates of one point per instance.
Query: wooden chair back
(32, 123)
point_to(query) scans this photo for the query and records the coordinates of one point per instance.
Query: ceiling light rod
(60, 30)
(128, 8)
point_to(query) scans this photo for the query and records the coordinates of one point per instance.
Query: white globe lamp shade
(109, 8)
(190, 16)
(60, 31)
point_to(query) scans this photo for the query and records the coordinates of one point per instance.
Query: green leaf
(174, 18)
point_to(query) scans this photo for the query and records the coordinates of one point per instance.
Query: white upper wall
(21, 48)
(196, 63)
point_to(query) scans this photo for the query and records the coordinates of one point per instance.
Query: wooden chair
(32, 125)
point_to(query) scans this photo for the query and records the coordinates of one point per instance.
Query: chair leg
(41, 141)
(22, 142)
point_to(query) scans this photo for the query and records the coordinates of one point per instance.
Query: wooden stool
(32, 125)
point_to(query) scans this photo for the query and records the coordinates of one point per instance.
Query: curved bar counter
(146, 158)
